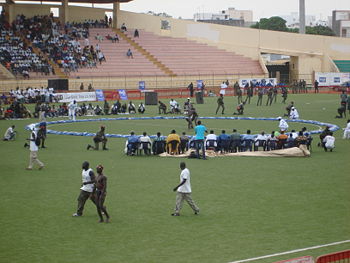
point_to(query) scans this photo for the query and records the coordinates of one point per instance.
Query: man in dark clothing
(269, 97)
(284, 94)
(99, 137)
(161, 107)
(239, 95)
(106, 107)
(190, 88)
(316, 86)
(240, 109)
(220, 102)
(260, 96)
(341, 111)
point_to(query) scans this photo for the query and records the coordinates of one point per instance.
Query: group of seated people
(19, 58)
(118, 108)
(225, 143)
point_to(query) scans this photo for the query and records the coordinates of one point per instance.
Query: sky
(261, 8)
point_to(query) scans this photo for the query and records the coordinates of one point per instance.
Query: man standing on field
(184, 192)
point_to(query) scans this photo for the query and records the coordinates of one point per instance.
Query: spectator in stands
(81, 86)
(136, 33)
(115, 38)
(129, 53)
(90, 88)
(123, 28)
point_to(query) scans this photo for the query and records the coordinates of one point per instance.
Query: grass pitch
(250, 206)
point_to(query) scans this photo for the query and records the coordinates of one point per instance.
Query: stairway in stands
(183, 56)
(117, 64)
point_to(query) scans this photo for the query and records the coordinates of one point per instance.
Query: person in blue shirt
(248, 140)
(132, 143)
(200, 130)
(224, 141)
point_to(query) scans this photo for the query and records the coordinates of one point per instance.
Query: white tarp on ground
(77, 96)
(302, 151)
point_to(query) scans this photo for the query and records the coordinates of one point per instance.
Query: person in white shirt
(10, 133)
(294, 114)
(329, 141)
(72, 107)
(173, 105)
(283, 125)
(33, 147)
(184, 191)
(87, 189)
(347, 131)
(223, 88)
(211, 140)
(145, 143)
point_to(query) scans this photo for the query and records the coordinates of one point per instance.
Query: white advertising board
(77, 96)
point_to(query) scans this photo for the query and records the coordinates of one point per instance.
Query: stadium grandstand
(83, 45)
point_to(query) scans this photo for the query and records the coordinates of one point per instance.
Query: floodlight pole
(302, 16)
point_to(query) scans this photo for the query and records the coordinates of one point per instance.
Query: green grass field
(250, 206)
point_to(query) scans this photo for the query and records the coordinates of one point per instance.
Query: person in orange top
(281, 140)
(172, 142)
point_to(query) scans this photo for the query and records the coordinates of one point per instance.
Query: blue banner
(122, 94)
(199, 84)
(142, 85)
(99, 95)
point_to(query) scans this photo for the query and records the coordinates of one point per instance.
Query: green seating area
(343, 65)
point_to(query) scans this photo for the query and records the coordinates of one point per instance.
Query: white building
(229, 14)
(292, 20)
(341, 23)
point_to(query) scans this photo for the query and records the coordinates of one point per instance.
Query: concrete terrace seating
(184, 56)
(117, 63)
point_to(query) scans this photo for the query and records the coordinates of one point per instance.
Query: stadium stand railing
(337, 257)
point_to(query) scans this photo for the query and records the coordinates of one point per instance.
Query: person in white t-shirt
(184, 191)
(329, 141)
(87, 189)
(223, 88)
(72, 107)
(294, 114)
(33, 147)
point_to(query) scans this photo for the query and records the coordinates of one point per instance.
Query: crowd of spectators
(17, 56)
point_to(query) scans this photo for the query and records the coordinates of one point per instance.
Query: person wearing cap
(294, 114)
(87, 189)
(99, 137)
(100, 195)
(33, 147)
(283, 125)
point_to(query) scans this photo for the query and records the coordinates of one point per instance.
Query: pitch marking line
(291, 251)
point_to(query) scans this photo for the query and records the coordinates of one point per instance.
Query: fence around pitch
(337, 257)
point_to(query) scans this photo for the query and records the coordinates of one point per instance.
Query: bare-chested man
(101, 192)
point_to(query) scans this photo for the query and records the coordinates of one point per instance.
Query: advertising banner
(111, 94)
(331, 78)
(199, 84)
(264, 82)
(142, 85)
(99, 95)
(77, 96)
(122, 94)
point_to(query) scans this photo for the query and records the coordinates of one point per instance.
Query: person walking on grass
(34, 143)
(101, 192)
(183, 191)
(87, 189)
(220, 103)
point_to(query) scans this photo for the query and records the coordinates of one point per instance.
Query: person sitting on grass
(98, 138)
(240, 109)
(10, 133)
(162, 107)
(294, 114)
(329, 141)
(131, 108)
(141, 108)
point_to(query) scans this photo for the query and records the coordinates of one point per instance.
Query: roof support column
(9, 11)
(116, 8)
(64, 12)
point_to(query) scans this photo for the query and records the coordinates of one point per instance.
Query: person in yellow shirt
(172, 143)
